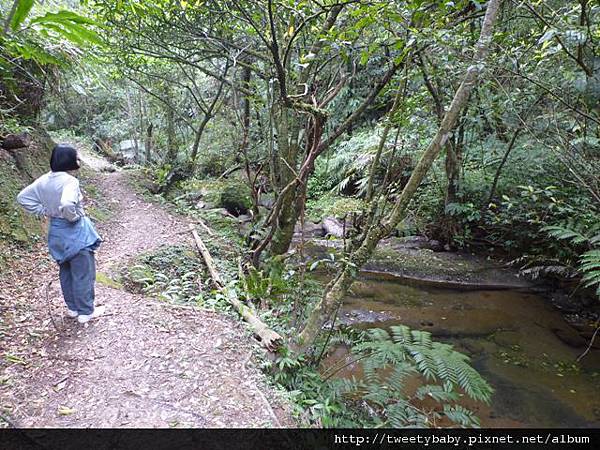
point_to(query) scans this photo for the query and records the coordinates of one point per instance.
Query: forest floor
(146, 363)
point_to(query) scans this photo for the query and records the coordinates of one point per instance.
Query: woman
(72, 237)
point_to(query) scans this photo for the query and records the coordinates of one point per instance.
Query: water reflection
(521, 345)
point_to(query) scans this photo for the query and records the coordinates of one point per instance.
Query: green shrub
(331, 205)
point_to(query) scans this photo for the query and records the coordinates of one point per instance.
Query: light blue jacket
(57, 195)
(66, 239)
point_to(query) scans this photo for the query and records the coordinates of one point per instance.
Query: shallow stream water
(516, 340)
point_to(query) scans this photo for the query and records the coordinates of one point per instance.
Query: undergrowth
(408, 379)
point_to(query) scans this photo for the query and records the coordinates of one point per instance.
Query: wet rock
(334, 227)
(570, 337)
(356, 316)
(15, 141)
(507, 338)
(416, 242)
(311, 230)
(566, 303)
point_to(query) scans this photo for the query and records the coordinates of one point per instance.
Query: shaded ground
(146, 363)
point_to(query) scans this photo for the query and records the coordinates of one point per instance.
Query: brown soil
(146, 363)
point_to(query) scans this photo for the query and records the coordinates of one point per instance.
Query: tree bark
(338, 288)
(148, 145)
(171, 138)
(511, 145)
(9, 17)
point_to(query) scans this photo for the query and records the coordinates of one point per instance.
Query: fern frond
(461, 416)
(422, 338)
(401, 334)
(388, 361)
(564, 233)
(399, 374)
(398, 414)
(436, 392)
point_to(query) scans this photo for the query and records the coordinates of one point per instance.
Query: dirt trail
(146, 363)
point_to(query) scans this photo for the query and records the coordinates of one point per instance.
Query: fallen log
(268, 338)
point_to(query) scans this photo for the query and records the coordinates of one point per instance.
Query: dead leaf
(65, 410)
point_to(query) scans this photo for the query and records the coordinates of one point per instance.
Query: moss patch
(105, 280)
(17, 170)
(98, 214)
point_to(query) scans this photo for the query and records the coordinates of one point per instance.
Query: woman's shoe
(98, 311)
(72, 314)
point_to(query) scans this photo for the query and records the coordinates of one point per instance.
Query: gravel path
(144, 364)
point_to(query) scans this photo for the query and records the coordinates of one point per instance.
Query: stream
(517, 340)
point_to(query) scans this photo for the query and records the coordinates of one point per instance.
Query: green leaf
(70, 26)
(64, 16)
(21, 13)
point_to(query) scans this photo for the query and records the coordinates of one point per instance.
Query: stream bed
(517, 340)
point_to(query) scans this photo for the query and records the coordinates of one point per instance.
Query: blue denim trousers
(77, 278)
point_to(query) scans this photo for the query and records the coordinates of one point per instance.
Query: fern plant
(582, 238)
(390, 361)
(590, 267)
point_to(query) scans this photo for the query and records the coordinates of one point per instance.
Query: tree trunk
(149, 143)
(453, 164)
(287, 126)
(171, 138)
(196, 146)
(338, 288)
(9, 17)
(246, 76)
(500, 167)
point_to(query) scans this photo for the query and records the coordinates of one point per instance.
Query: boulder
(416, 242)
(131, 149)
(14, 141)
(4, 155)
(311, 230)
(334, 227)
(566, 303)
(153, 187)
(235, 198)
(266, 200)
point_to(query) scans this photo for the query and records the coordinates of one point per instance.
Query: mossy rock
(17, 170)
(235, 198)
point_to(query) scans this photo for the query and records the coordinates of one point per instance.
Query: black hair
(64, 158)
